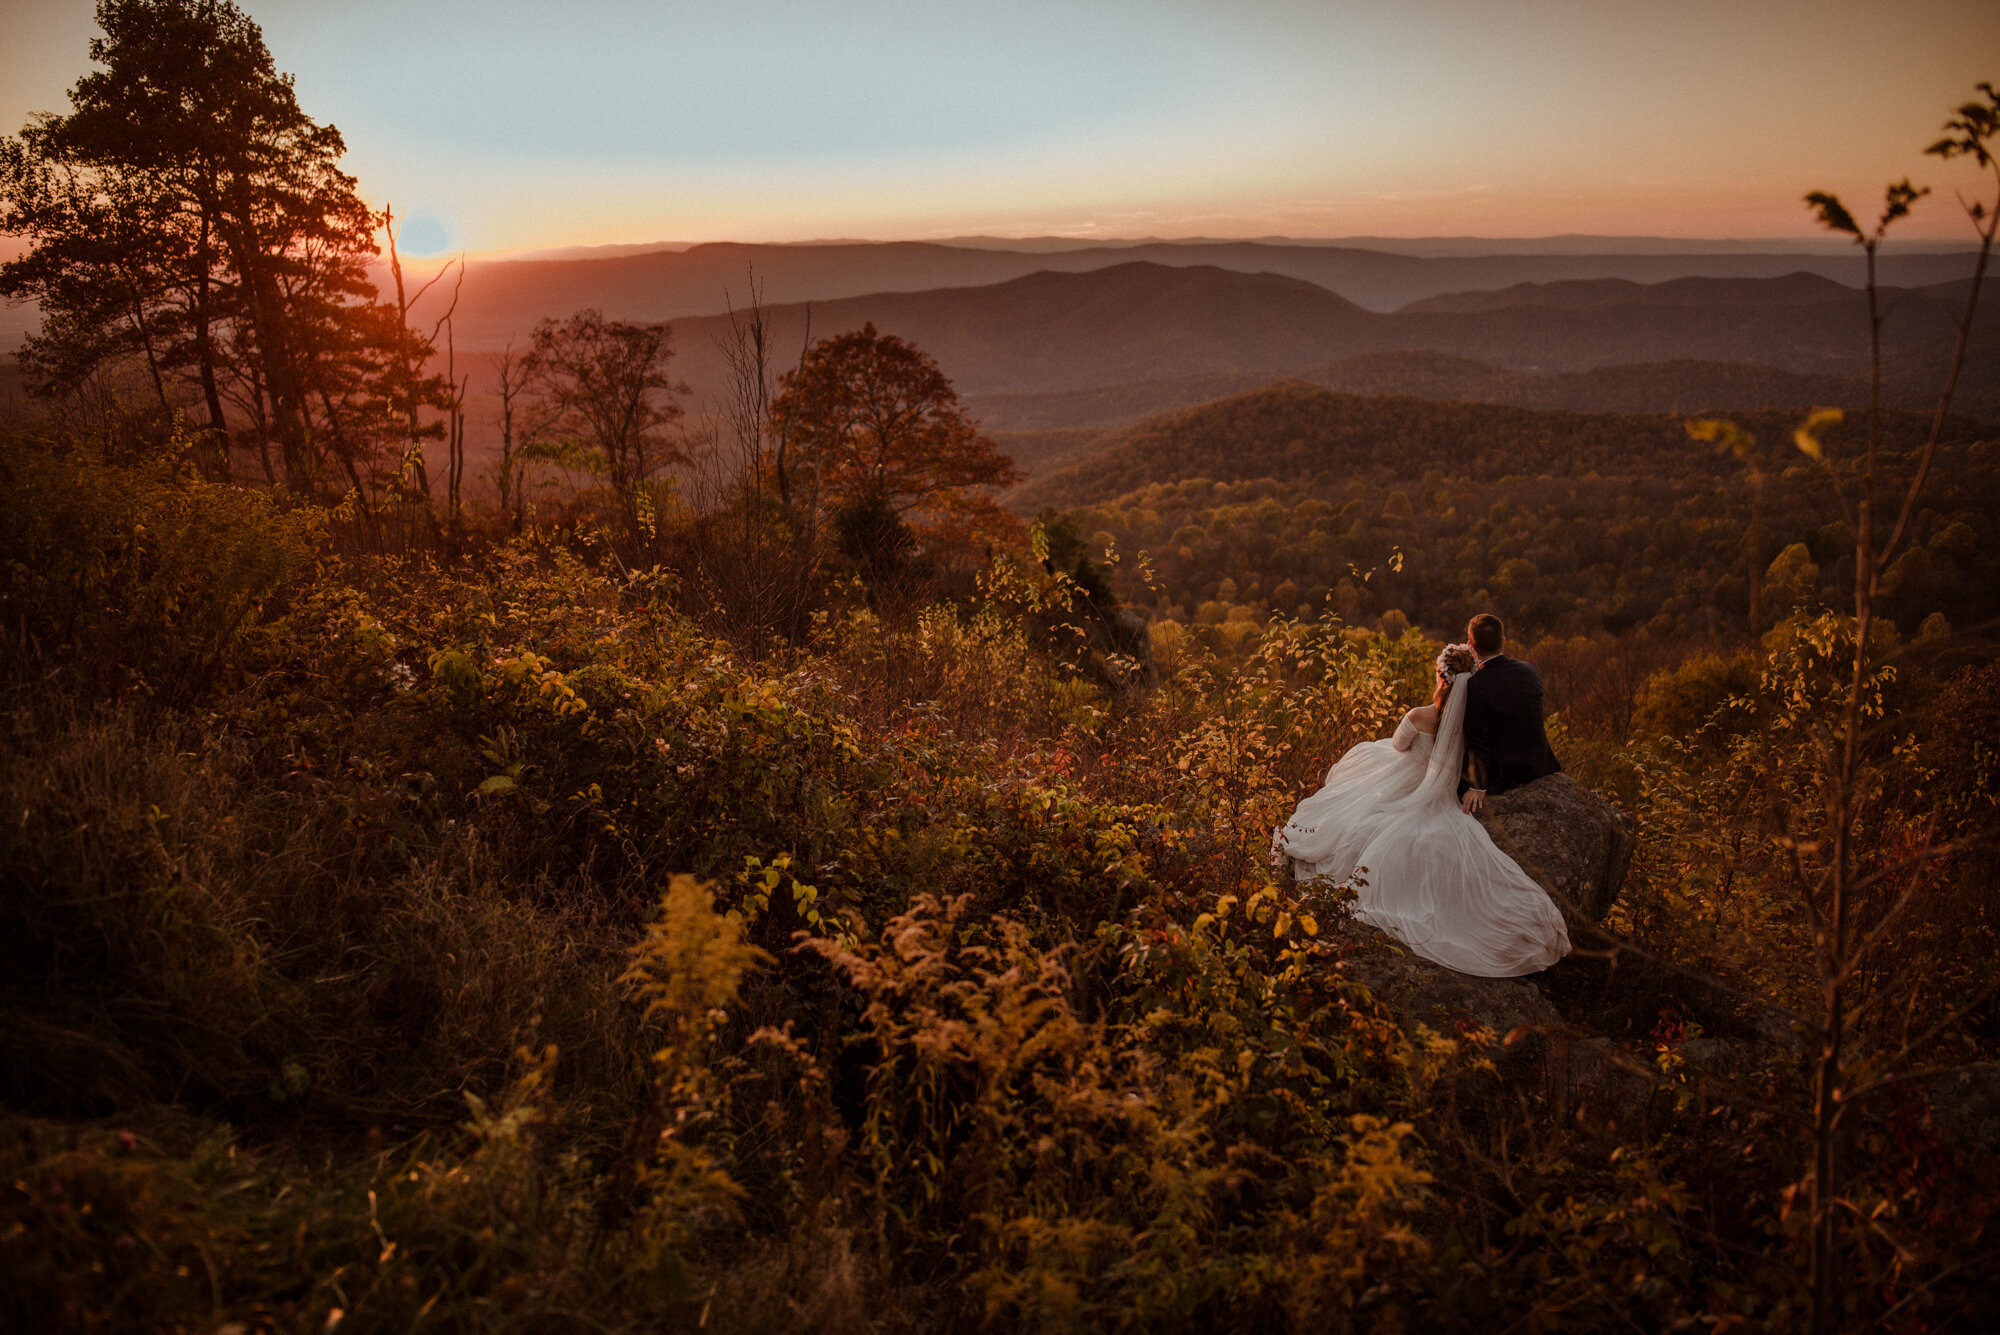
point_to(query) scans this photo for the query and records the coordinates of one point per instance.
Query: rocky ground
(1589, 1022)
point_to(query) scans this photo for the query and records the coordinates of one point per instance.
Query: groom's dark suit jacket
(1505, 745)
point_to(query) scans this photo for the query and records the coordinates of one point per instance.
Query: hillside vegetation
(1685, 386)
(484, 942)
(1681, 386)
(1294, 500)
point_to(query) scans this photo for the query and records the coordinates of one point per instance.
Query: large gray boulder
(1575, 844)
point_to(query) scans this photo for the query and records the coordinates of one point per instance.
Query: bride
(1388, 819)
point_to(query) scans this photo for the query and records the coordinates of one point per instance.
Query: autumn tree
(187, 215)
(602, 389)
(872, 417)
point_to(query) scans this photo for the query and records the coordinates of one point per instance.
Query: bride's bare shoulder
(1424, 718)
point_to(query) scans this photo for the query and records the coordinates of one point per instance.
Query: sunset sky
(509, 124)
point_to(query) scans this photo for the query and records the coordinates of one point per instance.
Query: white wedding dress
(1326, 834)
(1425, 872)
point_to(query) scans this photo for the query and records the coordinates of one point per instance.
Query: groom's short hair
(1487, 632)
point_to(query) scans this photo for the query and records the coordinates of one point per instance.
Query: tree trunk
(274, 355)
(415, 456)
(204, 347)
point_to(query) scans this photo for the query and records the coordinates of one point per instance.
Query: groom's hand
(1473, 801)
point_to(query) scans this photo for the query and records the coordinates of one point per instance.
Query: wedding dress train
(1427, 873)
(1326, 834)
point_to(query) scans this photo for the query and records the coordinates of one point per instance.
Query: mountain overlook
(864, 786)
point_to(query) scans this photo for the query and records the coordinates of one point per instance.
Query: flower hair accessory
(1454, 659)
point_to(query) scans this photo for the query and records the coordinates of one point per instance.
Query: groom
(1505, 745)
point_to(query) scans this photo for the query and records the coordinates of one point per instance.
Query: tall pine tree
(187, 214)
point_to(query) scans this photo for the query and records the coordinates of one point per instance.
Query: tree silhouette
(189, 214)
(877, 422)
(603, 386)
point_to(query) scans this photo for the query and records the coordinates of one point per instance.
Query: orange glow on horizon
(627, 123)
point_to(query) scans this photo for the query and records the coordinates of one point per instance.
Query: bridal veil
(1435, 881)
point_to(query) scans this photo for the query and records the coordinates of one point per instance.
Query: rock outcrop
(1531, 1042)
(1575, 844)
(1421, 992)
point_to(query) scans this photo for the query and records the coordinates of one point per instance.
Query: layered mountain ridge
(503, 298)
(1133, 330)
(1052, 333)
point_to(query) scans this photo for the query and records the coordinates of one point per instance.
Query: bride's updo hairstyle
(1452, 660)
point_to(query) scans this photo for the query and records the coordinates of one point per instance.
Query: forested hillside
(1296, 501)
(1684, 386)
(1680, 386)
(1291, 431)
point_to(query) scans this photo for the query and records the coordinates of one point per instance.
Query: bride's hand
(1473, 801)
